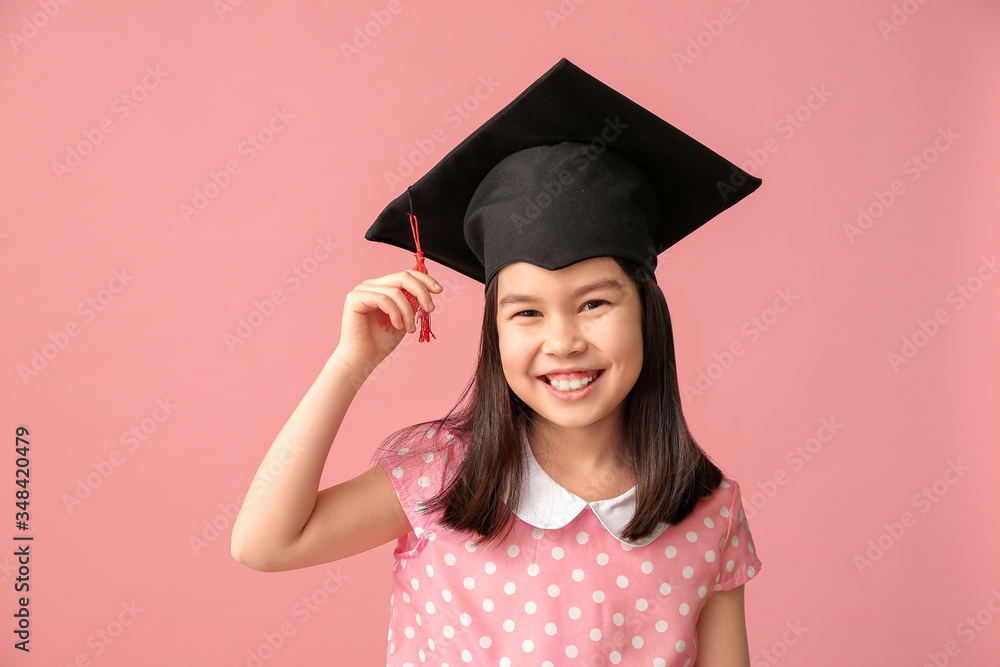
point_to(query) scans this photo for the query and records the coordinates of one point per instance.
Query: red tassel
(423, 318)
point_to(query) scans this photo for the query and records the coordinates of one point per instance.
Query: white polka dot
(488, 604)
(448, 631)
(504, 662)
(530, 607)
(641, 604)
(533, 569)
(750, 570)
(724, 484)
(397, 472)
(702, 591)
(574, 613)
(730, 566)
(661, 626)
(572, 651)
(416, 617)
(405, 450)
(423, 656)
(509, 588)
(557, 553)
(680, 646)
(446, 594)
(553, 590)
(465, 619)
(736, 541)
(741, 515)
(671, 552)
(469, 583)
(692, 536)
(470, 546)
(724, 512)
(537, 533)
(598, 596)
(406, 596)
(595, 634)
(582, 537)
(408, 631)
(622, 581)
(615, 657)
(659, 662)
(646, 567)
(490, 567)
(428, 457)
(449, 558)
(688, 572)
(466, 656)
(485, 641)
(618, 619)
(684, 609)
(550, 629)
(508, 625)
(578, 575)
(750, 546)
(665, 588)
(637, 641)
(513, 550)
(430, 570)
(429, 607)
(423, 481)
(625, 547)
(602, 559)
(528, 646)
(709, 523)
(709, 556)
(415, 584)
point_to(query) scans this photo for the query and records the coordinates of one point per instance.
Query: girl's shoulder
(426, 461)
(727, 494)
(421, 468)
(436, 440)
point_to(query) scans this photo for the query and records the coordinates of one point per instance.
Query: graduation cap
(571, 169)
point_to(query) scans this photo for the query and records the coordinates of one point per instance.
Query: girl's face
(585, 317)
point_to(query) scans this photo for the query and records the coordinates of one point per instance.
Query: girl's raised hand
(363, 342)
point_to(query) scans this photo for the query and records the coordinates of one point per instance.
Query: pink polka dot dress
(564, 588)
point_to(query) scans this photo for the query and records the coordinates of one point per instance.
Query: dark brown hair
(670, 470)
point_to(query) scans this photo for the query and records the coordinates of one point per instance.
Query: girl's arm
(722, 631)
(284, 522)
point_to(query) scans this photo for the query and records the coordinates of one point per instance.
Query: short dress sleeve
(738, 561)
(418, 472)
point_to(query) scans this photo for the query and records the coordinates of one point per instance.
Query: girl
(565, 514)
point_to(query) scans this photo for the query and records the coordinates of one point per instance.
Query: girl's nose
(564, 336)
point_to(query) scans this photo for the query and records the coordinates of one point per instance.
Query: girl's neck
(583, 450)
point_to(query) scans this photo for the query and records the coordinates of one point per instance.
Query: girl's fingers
(415, 282)
(389, 300)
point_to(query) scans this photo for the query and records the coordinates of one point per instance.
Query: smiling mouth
(572, 385)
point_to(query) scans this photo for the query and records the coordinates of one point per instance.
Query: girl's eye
(597, 301)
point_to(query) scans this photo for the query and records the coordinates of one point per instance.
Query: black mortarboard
(570, 169)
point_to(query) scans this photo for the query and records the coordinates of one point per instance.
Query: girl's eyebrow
(517, 298)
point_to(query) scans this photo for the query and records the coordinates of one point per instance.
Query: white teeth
(571, 385)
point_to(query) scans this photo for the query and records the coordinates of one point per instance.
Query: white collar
(547, 505)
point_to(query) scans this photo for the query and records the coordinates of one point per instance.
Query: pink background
(158, 335)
